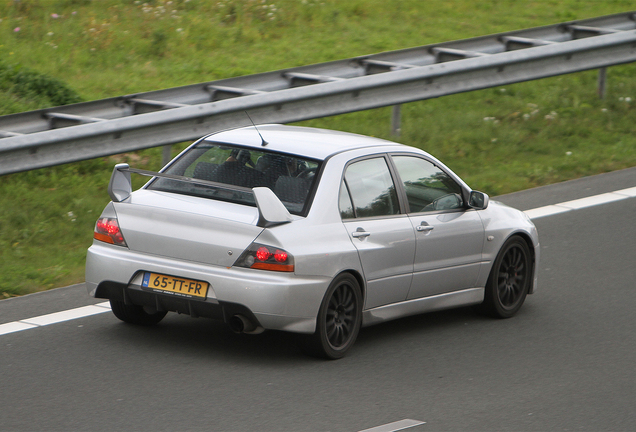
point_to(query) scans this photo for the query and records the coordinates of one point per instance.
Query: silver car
(308, 231)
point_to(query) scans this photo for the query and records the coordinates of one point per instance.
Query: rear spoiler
(271, 211)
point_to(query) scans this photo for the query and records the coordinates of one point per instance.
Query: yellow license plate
(177, 286)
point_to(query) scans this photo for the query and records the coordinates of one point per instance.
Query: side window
(371, 187)
(427, 187)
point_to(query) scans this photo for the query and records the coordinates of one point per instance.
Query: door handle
(424, 227)
(360, 233)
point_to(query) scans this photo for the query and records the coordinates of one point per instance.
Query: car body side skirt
(464, 297)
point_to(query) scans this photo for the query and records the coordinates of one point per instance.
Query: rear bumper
(277, 301)
(210, 308)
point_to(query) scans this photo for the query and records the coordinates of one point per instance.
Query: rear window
(290, 177)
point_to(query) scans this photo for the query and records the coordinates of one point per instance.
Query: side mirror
(120, 186)
(478, 200)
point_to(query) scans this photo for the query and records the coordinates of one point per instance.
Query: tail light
(107, 230)
(262, 257)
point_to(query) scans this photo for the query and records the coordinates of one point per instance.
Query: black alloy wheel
(509, 280)
(339, 319)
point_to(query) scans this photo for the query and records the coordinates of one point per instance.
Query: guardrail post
(602, 76)
(166, 154)
(396, 120)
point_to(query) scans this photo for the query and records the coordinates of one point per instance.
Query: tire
(134, 314)
(339, 319)
(509, 280)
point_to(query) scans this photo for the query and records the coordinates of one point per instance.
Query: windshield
(291, 178)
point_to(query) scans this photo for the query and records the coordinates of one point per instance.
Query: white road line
(14, 327)
(85, 311)
(54, 318)
(581, 203)
(66, 315)
(395, 426)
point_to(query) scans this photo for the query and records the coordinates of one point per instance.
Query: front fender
(500, 223)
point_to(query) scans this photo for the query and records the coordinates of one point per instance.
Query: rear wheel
(134, 314)
(339, 319)
(509, 280)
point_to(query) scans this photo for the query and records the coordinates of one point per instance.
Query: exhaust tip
(240, 324)
(237, 323)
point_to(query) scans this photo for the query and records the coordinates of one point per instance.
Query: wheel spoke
(335, 299)
(347, 296)
(504, 296)
(333, 304)
(512, 256)
(339, 336)
(331, 329)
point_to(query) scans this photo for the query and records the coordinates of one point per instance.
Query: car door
(449, 236)
(379, 229)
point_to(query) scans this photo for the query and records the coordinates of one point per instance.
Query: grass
(499, 140)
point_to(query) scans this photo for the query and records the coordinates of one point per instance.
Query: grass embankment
(499, 140)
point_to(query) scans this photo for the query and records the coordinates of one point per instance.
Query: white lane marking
(630, 192)
(66, 315)
(98, 308)
(395, 426)
(545, 211)
(54, 318)
(582, 203)
(14, 326)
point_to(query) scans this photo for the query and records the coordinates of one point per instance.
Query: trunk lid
(187, 228)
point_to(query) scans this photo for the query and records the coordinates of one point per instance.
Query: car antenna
(263, 142)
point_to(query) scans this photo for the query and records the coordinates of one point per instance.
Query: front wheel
(339, 319)
(509, 280)
(134, 314)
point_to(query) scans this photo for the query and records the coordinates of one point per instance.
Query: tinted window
(290, 177)
(427, 187)
(371, 187)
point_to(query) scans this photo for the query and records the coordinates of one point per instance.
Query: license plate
(175, 285)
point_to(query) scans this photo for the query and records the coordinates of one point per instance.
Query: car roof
(308, 142)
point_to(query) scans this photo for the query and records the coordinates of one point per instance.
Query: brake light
(280, 256)
(107, 230)
(263, 254)
(262, 257)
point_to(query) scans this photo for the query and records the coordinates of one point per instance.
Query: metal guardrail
(87, 130)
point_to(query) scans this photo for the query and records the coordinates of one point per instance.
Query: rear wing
(271, 211)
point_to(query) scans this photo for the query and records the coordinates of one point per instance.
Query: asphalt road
(565, 362)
